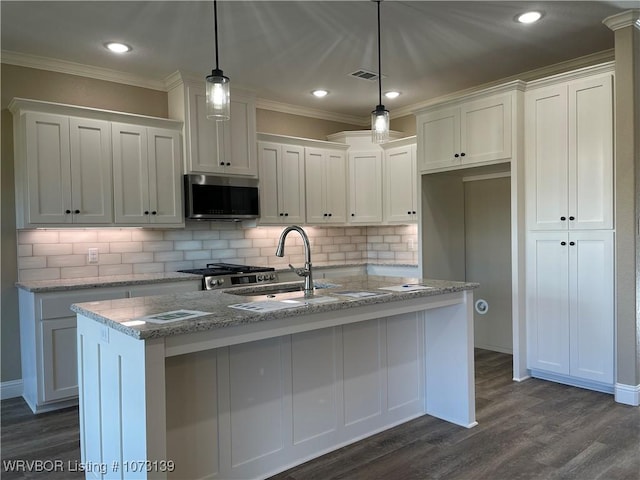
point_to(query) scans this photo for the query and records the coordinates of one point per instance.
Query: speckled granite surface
(106, 281)
(119, 313)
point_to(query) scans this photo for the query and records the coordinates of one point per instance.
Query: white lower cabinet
(570, 307)
(48, 338)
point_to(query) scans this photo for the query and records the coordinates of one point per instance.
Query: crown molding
(624, 19)
(310, 112)
(302, 142)
(72, 68)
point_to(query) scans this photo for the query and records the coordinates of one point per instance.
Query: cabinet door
(336, 186)
(239, 138)
(59, 359)
(439, 139)
(91, 176)
(130, 171)
(165, 176)
(291, 187)
(485, 130)
(547, 301)
(400, 184)
(591, 305)
(546, 147)
(205, 136)
(268, 155)
(48, 168)
(316, 182)
(365, 182)
(591, 153)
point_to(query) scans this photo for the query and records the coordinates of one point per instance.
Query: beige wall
(268, 121)
(406, 124)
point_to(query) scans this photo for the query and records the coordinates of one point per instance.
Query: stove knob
(220, 281)
(260, 278)
(211, 282)
(272, 276)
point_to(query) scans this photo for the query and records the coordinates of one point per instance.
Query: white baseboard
(11, 389)
(627, 394)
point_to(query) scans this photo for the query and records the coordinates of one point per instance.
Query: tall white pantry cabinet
(570, 228)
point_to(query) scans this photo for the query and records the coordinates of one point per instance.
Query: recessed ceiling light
(392, 94)
(320, 93)
(116, 47)
(529, 17)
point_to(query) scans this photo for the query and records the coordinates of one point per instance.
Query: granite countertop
(41, 286)
(124, 314)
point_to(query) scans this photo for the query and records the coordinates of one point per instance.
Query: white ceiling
(285, 49)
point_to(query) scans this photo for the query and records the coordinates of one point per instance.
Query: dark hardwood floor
(529, 430)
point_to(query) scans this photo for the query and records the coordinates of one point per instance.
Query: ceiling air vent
(365, 75)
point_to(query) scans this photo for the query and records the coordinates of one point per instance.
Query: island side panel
(122, 405)
(450, 387)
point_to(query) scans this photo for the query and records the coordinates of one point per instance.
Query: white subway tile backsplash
(125, 247)
(46, 249)
(49, 254)
(79, 272)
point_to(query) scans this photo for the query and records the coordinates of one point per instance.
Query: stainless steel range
(226, 275)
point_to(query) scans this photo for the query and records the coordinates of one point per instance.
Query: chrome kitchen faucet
(301, 272)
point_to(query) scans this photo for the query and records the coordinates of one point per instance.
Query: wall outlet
(92, 256)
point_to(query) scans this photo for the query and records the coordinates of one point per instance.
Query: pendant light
(217, 84)
(380, 116)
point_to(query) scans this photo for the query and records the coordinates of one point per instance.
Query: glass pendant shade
(218, 97)
(380, 125)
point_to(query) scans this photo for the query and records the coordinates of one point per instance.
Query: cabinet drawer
(58, 305)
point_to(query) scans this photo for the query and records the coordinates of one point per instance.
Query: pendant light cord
(379, 61)
(215, 28)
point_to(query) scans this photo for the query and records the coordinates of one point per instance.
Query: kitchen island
(242, 390)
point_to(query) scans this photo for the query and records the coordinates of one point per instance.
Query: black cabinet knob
(462, 154)
(324, 214)
(282, 214)
(228, 163)
(353, 214)
(572, 218)
(286, 214)
(67, 211)
(329, 214)
(222, 164)
(563, 243)
(154, 213)
(572, 243)
(563, 218)
(409, 212)
(414, 212)
(456, 155)
(146, 212)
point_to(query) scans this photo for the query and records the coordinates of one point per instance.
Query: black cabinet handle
(572, 243)
(67, 211)
(282, 214)
(76, 211)
(572, 218)
(146, 212)
(286, 214)
(563, 218)
(462, 154)
(563, 243)
(324, 214)
(409, 212)
(228, 164)
(222, 164)
(154, 213)
(414, 212)
(456, 155)
(329, 214)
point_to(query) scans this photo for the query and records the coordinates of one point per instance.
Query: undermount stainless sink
(282, 291)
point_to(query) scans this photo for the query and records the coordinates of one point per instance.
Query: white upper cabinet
(147, 175)
(68, 170)
(326, 185)
(211, 147)
(569, 155)
(282, 186)
(466, 133)
(365, 187)
(400, 181)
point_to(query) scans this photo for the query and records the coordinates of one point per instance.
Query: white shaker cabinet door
(439, 133)
(315, 172)
(336, 186)
(485, 130)
(400, 187)
(548, 301)
(165, 176)
(48, 168)
(130, 173)
(292, 187)
(365, 183)
(91, 175)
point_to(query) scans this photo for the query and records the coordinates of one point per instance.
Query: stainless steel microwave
(209, 197)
